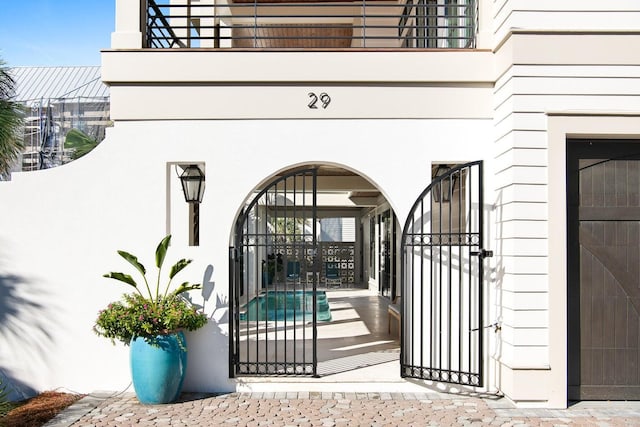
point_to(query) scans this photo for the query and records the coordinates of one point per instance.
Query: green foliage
(146, 316)
(79, 143)
(136, 316)
(5, 405)
(11, 121)
(289, 227)
(123, 278)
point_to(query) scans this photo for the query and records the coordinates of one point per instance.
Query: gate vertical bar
(440, 280)
(286, 245)
(295, 243)
(480, 271)
(246, 244)
(232, 311)
(262, 231)
(470, 257)
(315, 284)
(460, 276)
(276, 279)
(449, 272)
(421, 328)
(304, 294)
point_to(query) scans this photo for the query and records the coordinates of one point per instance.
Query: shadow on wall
(23, 329)
(208, 358)
(497, 279)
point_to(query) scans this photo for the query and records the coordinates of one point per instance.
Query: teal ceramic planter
(158, 371)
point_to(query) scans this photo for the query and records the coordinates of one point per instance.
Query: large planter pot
(158, 370)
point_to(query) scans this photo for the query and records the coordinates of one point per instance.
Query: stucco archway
(293, 228)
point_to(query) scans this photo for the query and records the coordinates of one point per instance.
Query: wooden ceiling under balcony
(299, 1)
(294, 36)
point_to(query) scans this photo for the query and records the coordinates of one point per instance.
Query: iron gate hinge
(482, 253)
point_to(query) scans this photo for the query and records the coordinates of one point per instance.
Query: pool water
(287, 306)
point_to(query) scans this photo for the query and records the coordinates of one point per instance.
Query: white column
(127, 34)
(485, 19)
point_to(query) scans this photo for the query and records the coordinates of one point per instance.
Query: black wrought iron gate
(442, 252)
(274, 280)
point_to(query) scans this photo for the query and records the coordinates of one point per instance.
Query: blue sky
(55, 32)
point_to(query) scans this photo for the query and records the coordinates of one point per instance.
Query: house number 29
(324, 99)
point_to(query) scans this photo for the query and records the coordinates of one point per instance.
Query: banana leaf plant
(154, 312)
(79, 143)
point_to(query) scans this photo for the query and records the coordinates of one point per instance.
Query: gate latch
(482, 253)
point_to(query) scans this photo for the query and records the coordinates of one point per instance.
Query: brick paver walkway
(335, 409)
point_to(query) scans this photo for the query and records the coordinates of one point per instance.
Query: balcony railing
(310, 24)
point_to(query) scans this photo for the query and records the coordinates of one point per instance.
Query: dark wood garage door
(604, 269)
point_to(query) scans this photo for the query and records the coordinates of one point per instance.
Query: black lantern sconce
(446, 187)
(192, 179)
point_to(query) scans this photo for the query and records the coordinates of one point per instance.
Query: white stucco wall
(65, 225)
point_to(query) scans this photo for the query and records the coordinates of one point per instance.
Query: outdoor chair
(332, 274)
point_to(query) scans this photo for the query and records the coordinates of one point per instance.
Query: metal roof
(34, 84)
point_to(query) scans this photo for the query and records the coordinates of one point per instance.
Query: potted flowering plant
(152, 323)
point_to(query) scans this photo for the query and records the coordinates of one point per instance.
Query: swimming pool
(287, 306)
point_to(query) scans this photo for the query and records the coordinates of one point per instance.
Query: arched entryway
(286, 269)
(311, 237)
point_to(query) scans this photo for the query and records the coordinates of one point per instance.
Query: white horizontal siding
(525, 264)
(521, 175)
(526, 336)
(520, 121)
(508, 83)
(536, 211)
(576, 15)
(549, 103)
(520, 90)
(521, 139)
(523, 247)
(503, 90)
(521, 193)
(608, 71)
(523, 229)
(571, 86)
(525, 300)
(525, 318)
(526, 356)
(524, 283)
(521, 157)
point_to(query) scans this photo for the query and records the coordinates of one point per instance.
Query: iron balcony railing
(312, 24)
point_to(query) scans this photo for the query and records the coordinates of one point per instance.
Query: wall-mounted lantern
(192, 179)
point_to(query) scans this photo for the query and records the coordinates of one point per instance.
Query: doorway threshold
(363, 380)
